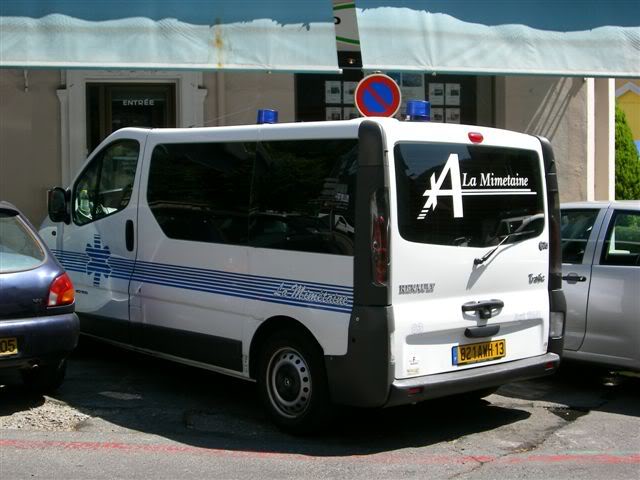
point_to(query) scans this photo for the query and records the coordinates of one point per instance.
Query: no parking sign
(377, 95)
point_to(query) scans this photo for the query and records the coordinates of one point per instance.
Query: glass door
(111, 106)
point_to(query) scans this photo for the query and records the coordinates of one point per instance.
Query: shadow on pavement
(583, 387)
(14, 400)
(122, 390)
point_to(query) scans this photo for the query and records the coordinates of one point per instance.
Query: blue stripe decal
(99, 262)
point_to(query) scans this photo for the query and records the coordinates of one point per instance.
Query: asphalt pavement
(124, 415)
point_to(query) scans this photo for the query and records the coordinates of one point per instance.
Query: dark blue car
(38, 326)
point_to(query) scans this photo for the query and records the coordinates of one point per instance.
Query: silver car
(601, 282)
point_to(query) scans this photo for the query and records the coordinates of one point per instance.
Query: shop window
(452, 98)
(330, 97)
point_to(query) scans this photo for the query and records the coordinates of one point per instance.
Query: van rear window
(467, 195)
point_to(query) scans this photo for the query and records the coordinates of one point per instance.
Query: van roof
(341, 129)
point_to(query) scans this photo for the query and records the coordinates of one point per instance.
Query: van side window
(200, 191)
(105, 185)
(303, 196)
(622, 243)
(576, 227)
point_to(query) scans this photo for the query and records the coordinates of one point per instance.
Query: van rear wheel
(292, 382)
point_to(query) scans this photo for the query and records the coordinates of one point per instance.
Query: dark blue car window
(19, 250)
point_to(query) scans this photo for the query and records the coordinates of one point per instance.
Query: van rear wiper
(518, 232)
(486, 256)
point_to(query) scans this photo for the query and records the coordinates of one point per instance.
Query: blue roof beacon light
(418, 111)
(267, 116)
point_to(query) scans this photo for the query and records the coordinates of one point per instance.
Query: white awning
(274, 35)
(589, 38)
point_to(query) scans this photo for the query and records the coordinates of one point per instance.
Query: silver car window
(622, 243)
(576, 227)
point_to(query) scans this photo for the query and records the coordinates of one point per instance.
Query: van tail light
(380, 237)
(61, 292)
(476, 137)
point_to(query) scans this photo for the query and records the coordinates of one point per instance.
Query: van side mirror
(58, 205)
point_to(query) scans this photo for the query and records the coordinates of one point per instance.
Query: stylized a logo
(452, 167)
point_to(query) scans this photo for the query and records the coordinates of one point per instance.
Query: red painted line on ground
(134, 448)
(387, 458)
(591, 458)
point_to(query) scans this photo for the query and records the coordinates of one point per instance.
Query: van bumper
(365, 376)
(444, 384)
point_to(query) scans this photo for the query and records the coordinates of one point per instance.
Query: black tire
(46, 378)
(293, 383)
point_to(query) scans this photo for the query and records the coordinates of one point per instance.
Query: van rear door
(469, 251)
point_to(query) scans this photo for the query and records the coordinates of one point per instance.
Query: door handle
(484, 308)
(481, 332)
(128, 235)
(573, 277)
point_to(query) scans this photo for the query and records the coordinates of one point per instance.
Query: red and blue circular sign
(377, 95)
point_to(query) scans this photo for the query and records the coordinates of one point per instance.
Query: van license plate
(8, 346)
(478, 352)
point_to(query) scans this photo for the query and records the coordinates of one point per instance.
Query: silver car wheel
(289, 382)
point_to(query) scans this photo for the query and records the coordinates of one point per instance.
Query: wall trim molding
(591, 139)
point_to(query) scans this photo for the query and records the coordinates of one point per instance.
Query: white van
(212, 247)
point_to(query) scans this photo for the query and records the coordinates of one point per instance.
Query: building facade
(73, 72)
(628, 99)
(50, 120)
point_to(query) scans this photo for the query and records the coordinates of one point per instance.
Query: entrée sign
(140, 102)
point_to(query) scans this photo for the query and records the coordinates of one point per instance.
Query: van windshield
(467, 195)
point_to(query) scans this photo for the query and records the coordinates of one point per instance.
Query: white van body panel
(227, 292)
(327, 273)
(213, 289)
(95, 254)
(175, 283)
(429, 325)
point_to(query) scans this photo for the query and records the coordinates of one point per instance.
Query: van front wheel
(292, 382)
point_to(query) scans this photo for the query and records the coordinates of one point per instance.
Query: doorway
(111, 106)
